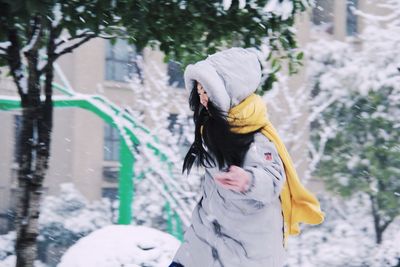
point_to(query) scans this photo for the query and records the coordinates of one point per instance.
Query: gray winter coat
(230, 228)
(239, 229)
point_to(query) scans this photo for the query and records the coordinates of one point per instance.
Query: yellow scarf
(298, 204)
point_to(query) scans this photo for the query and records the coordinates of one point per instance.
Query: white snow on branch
(5, 45)
(284, 8)
(57, 15)
(226, 4)
(32, 41)
(22, 80)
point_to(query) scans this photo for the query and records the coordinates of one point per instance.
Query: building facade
(85, 149)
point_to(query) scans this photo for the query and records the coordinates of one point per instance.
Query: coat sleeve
(267, 174)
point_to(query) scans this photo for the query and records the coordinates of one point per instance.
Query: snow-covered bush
(7, 245)
(66, 218)
(148, 206)
(69, 216)
(122, 245)
(346, 238)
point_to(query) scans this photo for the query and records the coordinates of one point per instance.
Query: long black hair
(222, 147)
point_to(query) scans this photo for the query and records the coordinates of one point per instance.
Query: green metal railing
(127, 157)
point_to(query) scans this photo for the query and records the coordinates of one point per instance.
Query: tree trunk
(376, 219)
(380, 224)
(24, 250)
(34, 142)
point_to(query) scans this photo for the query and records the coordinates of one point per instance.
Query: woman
(249, 190)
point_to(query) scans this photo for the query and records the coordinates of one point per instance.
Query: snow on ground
(122, 245)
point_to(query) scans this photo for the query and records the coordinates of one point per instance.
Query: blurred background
(110, 76)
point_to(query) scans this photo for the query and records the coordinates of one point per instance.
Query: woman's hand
(236, 179)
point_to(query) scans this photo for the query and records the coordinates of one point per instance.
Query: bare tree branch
(35, 33)
(317, 111)
(4, 56)
(386, 224)
(15, 64)
(68, 49)
(82, 35)
(51, 47)
(72, 47)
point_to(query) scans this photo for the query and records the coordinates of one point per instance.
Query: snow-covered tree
(363, 153)
(350, 108)
(171, 121)
(355, 147)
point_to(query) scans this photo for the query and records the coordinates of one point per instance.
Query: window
(351, 18)
(175, 75)
(111, 173)
(121, 61)
(111, 143)
(110, 193)
(322, 15)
